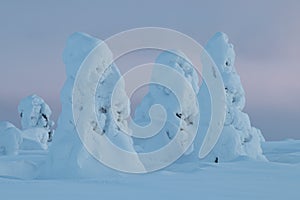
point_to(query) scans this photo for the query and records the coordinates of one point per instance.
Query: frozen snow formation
(36, 123)
(10, 139)
(238, 137)
(69, 157)
(179, 115)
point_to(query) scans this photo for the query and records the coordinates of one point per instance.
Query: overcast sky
(265, 35)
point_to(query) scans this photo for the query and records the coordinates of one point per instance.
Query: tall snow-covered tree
(69, 157)
(238, 137)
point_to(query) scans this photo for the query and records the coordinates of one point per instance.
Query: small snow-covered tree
(35, 120)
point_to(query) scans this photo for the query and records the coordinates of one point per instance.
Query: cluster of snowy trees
(238, 138)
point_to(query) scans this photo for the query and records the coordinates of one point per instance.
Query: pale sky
(265, 35)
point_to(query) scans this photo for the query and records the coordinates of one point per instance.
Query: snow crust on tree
(68, 155)
(238, 137)
(36, 123)
(112, 114)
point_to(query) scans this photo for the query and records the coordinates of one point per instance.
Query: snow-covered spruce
(238, 137)
(179, 115)
(68, 155)
(36, 123)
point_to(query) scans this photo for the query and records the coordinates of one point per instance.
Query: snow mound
(35, 138)
(5, 125)
(10, 139)
(238, 137)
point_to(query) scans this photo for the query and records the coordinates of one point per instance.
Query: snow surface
(241, 179)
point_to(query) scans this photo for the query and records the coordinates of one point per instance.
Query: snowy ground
(242, 179)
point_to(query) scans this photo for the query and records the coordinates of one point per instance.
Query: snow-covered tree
(36, 121)
(180, 113)
(238, 138)
(68, 155)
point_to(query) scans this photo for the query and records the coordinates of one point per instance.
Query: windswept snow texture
(68, 155)
(238, 137)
